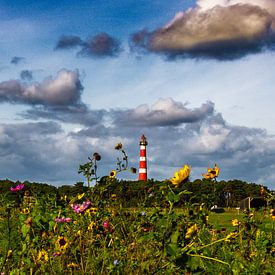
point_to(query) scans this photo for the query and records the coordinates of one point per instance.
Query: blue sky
(196, 77)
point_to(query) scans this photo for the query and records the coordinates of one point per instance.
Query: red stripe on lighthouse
(142, 159)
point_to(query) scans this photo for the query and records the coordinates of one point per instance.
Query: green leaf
(172, 250)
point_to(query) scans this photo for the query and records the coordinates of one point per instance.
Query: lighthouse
(142, 159)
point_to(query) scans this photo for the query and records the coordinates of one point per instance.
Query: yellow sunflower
(113, 174)
(62, 243)
(181, 175)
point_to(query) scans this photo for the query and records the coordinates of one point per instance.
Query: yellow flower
(181, 175)
(191, 231)
(212, 173)
(272, 214)
(62, 243)
(235, 222)
(113, 174)
(91, 226)
(42, 256)
(113, 196)
(91, 211)
(231, 235)
(80, 196)
(118, 146)
(25, 211)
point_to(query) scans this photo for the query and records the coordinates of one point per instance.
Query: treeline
(149, 194)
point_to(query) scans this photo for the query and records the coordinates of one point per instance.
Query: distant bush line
(147, 193)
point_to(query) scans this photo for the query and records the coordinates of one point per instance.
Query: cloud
(62, 90)
(79, 114)
(26, 75)
(163, 113)
(17, 59)
(38, 152)
(225, 31)
(101, 45)
(68, 42)
(199, 137)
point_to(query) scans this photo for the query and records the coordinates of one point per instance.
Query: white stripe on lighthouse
(142, 170)
(142, 147)
(142, 158)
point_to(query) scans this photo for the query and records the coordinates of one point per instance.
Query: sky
(195, 77)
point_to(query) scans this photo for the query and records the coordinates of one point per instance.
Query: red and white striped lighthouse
(142, 159)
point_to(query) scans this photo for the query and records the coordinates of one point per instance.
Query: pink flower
(79, 208)
(18, 187)
(63, 219)
(106, 225)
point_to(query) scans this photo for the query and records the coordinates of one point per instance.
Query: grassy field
(224, 220)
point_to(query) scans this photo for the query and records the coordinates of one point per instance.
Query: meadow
(127, 227)
(84, 234)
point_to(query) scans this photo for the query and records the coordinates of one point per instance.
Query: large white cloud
(218, 29)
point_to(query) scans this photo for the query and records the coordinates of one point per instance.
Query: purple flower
(116, 262)
(143, 213)
(18, 187)
(63, 219)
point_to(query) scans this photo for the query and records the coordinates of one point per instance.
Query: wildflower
(79, 208)
(25, 211)
(118, 146)
(235, 222)
(63, 220)
(133, 170)
(272, 214)
(113, 174)
(143, 213)
(62, 243)
(91, 226)
(106, 224)
(113, 196)
(18, 187)
(92, 211)
(80, 196)
(212, 173)
(181, 175)
(116, 262)
(97, 156)
(191, 231)
(231, 235)
(42, 256)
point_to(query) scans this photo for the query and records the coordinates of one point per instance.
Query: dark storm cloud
(68, 42)
(79, 114)
(164, 112)
(101, 45)
(63, 90)
(26, 75)
(38, 152)
(17, 59)
(222, 32)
